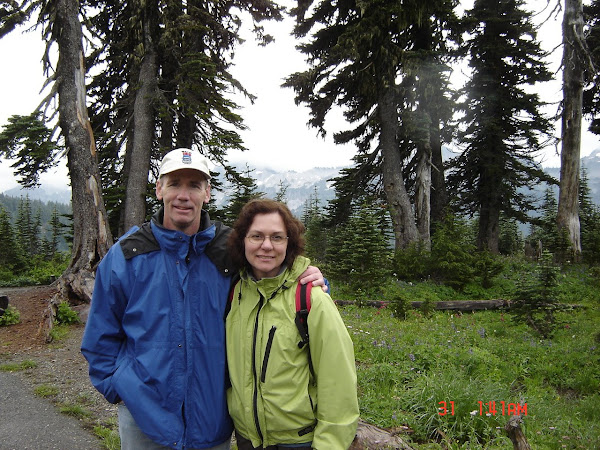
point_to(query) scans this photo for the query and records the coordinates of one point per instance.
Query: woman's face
(266, 257)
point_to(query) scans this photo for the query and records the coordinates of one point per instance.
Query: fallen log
(454, 305)
(370, 437)
(450, 305)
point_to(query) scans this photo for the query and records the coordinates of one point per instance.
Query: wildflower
(473, 413)
(411, 356)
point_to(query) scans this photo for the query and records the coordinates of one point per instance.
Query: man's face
(183, 192)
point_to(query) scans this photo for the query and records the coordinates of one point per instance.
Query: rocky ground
(58, 364)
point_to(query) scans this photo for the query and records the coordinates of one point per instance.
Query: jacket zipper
(254, 372)
(263, 373)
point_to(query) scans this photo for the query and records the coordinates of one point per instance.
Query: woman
(277, 401)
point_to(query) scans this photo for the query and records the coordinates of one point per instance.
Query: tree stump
(370, 437)
(516, 435)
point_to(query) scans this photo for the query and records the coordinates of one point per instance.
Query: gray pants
(132, 438)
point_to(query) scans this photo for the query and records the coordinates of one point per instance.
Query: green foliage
(487, 267)
(452, 253)
(11, 316)
(536, 300)
(27, 140)
(412, 263)
(503, 124)
(65, 315)
(59, 332)
(110, 437)
(75, 410)
(357, 252)
(243, 190)
(15, 367)
(45, 391)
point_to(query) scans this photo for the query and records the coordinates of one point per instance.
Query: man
(155, 338)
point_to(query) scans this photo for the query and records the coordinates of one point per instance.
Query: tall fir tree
(503, 126)
(384, 64)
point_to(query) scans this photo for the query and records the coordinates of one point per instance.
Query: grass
(45, 391)
(406, 368)
(16, 367)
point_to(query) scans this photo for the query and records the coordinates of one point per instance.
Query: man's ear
(158, 190)
(207, 198)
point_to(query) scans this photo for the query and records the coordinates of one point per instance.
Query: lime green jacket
(273, 398)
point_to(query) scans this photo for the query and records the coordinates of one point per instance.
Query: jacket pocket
(263, 372)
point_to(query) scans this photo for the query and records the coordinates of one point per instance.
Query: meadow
(447, 379)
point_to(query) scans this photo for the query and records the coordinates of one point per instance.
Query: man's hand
(313, 274)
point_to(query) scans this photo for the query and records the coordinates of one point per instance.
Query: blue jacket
(155, 336)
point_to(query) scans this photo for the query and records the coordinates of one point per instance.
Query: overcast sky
(278, 136)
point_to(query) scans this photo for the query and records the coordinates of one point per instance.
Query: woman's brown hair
(294, 229)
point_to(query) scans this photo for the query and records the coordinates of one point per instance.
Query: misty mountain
(301, 185)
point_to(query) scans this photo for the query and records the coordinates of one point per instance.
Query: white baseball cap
(184, 158)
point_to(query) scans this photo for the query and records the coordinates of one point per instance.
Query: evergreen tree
(27, 140)
(548, 232)
(535, 301)
(452, 253)
(56, 228)
(11, 257)
(358, 253)
(316, 236)
(591, 94)
(244, 189)
(503, 124)
(281, 194)
(589, 215)
(384, 64)
(510, 240)
(28, 228)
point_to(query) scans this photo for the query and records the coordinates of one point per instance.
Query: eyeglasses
(276, 239)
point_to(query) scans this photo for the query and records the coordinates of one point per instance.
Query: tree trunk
(91, 234)
(401, 211)
(423, 193)
(488, 236)
(573, 68)
(439, 195)
(516, 435)
(143, 132)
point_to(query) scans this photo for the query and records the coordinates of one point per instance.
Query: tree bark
(573, 71)
(439, 195)
(516, 435)
(401, 211)
(423, 193)
(91, 234)
(143, 131)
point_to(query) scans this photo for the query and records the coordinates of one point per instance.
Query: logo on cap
(186, 158)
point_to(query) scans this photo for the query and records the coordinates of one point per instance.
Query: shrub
(11, 316)
(536, 299)
(65, 315)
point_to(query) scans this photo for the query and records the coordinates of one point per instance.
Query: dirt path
(58, 365)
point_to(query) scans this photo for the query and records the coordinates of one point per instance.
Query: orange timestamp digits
(491, 408)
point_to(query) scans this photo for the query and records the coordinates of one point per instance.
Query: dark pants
(245, 444)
